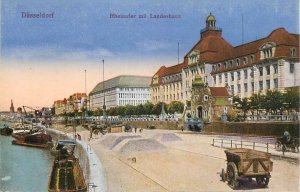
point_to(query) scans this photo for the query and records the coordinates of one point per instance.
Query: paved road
(191, 164)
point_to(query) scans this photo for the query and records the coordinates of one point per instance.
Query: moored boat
(40, 140)
(6, 131)
(66, 174)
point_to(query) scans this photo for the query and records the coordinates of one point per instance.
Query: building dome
(198, 81)
(210, 17)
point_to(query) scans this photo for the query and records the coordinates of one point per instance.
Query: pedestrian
(287, 136)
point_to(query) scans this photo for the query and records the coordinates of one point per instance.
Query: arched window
(293, 52)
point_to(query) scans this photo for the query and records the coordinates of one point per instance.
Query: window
(252, 59)
(232, 89)
(230, 63)
(275, 68)
(275, 83)
(205, 98)
(268, 69)
(237, 62)
(252, 86)
(220, 79)
(292, 66)
(225, 65)
(238, 88)
(232, 76)
(293, 52)
(267, 50)
(214, 68)
(239, 75)
(225, 76)
(261, 85)
(219, 66)
(260, 71)
(268, 84)
(252, 72)
(245, 87)
(245, 74)
(245, 60)
(214, 79)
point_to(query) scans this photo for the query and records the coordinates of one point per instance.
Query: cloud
(153, 45)
(53, 53)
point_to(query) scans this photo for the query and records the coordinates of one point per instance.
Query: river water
(23, 169)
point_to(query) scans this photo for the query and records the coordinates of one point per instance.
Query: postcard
(162, 95)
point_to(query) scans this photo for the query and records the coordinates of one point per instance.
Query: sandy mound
(111, 141)
(167, 137)
(141, 145)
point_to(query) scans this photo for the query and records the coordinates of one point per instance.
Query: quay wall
(274, 129)
(170, 125)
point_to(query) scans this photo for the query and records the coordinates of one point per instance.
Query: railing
(272, 117)
(231, 143)
(211, 29)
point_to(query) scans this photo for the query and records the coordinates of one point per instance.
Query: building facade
(265, 64)
(75, 102)
(120, 91)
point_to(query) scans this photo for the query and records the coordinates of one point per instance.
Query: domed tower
(210, 22)
(211, 28)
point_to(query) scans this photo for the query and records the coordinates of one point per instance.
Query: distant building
(12, 108)
(120, 91)
(269, 63)
(75, 102)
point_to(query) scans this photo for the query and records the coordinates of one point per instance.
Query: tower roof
(210, 17)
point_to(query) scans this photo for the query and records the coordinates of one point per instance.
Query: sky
(44, 59)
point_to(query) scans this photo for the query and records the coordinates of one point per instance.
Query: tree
(98, 112)
(121, 110)
(242, 104)
(148, 108)
(112, 111)
(273, 101)
(130, 110)
(139, 110)
(175, 106)
(156, 110)
(256, 102)
(291, 100)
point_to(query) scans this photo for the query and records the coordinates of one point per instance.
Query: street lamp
(104, 107)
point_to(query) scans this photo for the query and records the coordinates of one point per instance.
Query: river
(23, 169)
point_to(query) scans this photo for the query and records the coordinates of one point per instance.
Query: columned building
(120, 91)
(269, 63)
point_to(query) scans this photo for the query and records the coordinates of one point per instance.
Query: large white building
(268, 63)
(120, 91)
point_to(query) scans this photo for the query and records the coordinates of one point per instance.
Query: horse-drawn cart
(247, 163)
(283, 145)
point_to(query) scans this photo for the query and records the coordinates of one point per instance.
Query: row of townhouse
(75, 102)
(265, 64)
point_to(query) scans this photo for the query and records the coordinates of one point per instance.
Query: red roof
(219, 92)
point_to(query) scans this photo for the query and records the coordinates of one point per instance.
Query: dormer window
(230, 63)
(267, 50)
(252, 59)
(237, 62)
(194, 57)
(219, 66)
(225, 65)
(244, 60)
(293, 52)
